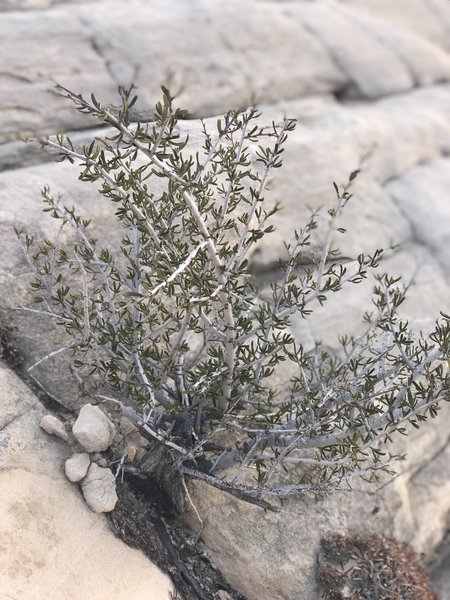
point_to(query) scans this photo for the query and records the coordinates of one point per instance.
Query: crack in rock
(97, 48)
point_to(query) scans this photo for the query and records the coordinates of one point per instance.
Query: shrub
(175, 331)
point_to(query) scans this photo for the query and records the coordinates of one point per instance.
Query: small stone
(54, 426)
(99, 489)
(77, 466)
(93, 430)
(222, 595)
(131, 453)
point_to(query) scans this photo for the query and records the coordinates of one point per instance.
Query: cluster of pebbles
(92, 433)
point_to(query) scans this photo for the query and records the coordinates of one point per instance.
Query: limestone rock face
(93, 429)
(256, 54)
(99, 489)
(77, 466)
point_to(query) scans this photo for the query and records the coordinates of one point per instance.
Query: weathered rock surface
(428, 19)
(364, 77)
(62, 49)
(250, 546)
(77, 466)
(93, 429)
(99, 489)
(94, 46)
(53, 426)
(396, 134)
(421, 194)
(52, 545)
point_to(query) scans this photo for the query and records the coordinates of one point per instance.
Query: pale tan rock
(93, 429)
(50, 539)
(99, 489)
(77, 466)
(53, 426)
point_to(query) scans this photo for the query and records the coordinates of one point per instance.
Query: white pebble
(54, 426)
(93, 430)
(77, 466)
(99, 489)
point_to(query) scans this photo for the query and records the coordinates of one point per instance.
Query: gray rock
(53, 426)
(430, 487)
(20, 206)
(422, 195)
(99, 489)
(426, 62)
(110, 44)
(230, 69)
(398, 133)
(340, 33)
(123, 36)
(61, 47)
(32, 4)
(99, 459)
(93, 429)
(343, 312)
(19, 154)
(77, 466)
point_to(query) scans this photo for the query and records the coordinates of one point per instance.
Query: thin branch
(182, 267)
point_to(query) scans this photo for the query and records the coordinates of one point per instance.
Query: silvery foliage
(174, 330)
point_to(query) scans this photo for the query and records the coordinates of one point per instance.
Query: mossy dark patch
(371, 568)
(8, 352)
